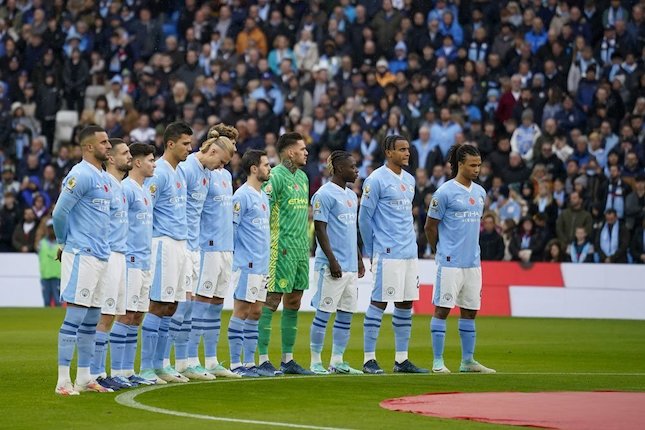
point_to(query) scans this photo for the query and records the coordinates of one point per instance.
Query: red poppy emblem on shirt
(224, 184)
(349, 203)
(123, 199)
(204, 181)
(471, 201)
(105, 187)
(296, 187)
(178, 184)
(264, 207)
(403, 187)
(145, 201)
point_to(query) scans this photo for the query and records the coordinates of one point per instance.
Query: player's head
(397, 150)
(94, 142)
(292, 147)
(177, 140)
(119, 155)
(256, 164)
(466, 160)
(225, 131)
(341, 164)
(143, 159)
(216, 151)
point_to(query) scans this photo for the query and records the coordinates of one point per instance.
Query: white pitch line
(128, 398)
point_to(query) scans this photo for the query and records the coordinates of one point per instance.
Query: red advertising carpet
(552, 410)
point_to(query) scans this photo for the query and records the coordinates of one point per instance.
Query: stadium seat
(92, 93)
(66, 120)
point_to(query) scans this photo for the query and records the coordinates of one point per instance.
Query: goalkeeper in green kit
(288, 191)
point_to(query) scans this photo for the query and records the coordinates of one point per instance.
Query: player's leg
(402, 317)
(244, 297)
(251, 336)
(342, 324)
(269, 306)
(469, 301)
(180, 322)
(90, 271)
(221, 283)
(324, 301)
(154, 330)
(203, 294)
(446, 286)
(373, 318)
(289, 322)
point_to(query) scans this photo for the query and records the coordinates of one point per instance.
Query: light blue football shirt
(216, 230)
(118, 217)
(196, 177)
(385, 219)
(337, 207)
(168, 191)
(459, 210)
(139, 241)
(82, 214)
(252, 236)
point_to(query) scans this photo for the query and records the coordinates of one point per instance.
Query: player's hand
(361, 268)
(334, 268)
(59, 255)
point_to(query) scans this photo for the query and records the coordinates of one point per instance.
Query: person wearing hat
(270, 92)
(49, 267)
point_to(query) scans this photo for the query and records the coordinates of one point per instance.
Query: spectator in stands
(612, 240)
(554, 253)
(637, 248)
(505, 207)
(490, 241)
(47, 248)
(581, 249)
(24, 233)
(617, 191)
(525, 136)
(635, 204)
(76, 75)
(9, 183)
(527, 244)
(571, 218)
(143, 133)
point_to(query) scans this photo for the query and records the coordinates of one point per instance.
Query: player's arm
(321, 217)
(73, 189)
(323, 240)
(361, 266)
(436, 212)
(239, 208)
(369, 200)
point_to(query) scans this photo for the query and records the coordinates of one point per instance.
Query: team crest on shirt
(434, 203)
(153, 188)
(366, 190)
(237, 207)
(71, 183)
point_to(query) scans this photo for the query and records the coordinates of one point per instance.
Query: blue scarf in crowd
(579, 253)
(609, 239)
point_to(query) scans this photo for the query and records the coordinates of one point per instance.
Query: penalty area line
(129, 399)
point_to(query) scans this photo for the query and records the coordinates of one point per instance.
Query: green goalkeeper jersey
(289, 199)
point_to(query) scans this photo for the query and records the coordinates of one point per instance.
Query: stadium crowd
(551, 92)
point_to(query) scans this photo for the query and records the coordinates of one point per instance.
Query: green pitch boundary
(128, 398)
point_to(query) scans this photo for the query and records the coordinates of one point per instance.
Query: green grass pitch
(529, 354)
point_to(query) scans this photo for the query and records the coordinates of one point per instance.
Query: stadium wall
(541, 290)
